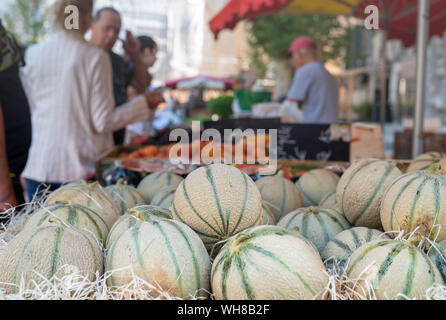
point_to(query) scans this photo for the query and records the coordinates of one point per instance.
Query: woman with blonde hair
(68, 82)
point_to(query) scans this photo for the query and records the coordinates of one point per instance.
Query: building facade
(181, 29)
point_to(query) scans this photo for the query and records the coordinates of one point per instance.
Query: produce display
(293, 268)
(164, 252)
(329, 201)
(127, 196)
(341, 247)
(315, 184)
(68, 214)
(206, 148)
(425, 161)
(42, 253)
(153, 166)
(151, 151)
(437, 254)
(318, 225)
(415, 202)
(375, 233)
(268, 216)
(391, 269)
(164, 198)
(133, 217)
(361, 189)
(92, 196)
(280, 195)
(217, 202)
(154, 182)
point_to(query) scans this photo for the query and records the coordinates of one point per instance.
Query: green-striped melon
(135, 216)
(127, 196)
(69, 214)
(154, 182)
(437, 254)
(391, 269)
(315, 184)
(416, 200)
(361, 188)
(425, 161)
(329, 201)
(39, 254)
(163, 252)
(341, 247)
(268, 263)
(164, 197)
(217, 201)
(319, 225)
(90, 195)
(280, 194)
(268, 216)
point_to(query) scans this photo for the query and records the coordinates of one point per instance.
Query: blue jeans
(36, 189)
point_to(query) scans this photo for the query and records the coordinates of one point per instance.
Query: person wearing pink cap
(313, 88)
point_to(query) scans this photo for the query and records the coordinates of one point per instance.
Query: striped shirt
(69, 85)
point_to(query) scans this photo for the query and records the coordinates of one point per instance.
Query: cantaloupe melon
(38, 254)
(315, 184)
(268, 263)
(361, 188)
(154, 182)
(425, 161)
(90, 195)
(416, 200)
(318, 225)
(127, 196)
(391, 269)
(165, 253)
(437, 254)
(69, 214)
(268, 216)
(217, 202)
(135, 216)
(329, 201)
(340, 248)
(164, 197)
(281, 195)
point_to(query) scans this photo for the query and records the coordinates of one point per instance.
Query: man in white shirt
(105, 32)
(313, 88)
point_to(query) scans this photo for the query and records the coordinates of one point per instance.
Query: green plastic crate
(248, 98)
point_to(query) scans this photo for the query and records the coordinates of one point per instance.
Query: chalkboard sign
(162, 137)
(323, 142)
(243, 124)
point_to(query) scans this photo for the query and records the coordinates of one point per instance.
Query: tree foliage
(27, 20)
(272, 35)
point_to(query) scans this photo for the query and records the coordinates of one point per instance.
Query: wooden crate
(367, 142)
(431, 142)
(311, 163)
(109, 157)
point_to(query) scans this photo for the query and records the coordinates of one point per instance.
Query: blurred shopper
(313, 88)
(148, 50)
(105, 32)
(15, 123)
(69, 85)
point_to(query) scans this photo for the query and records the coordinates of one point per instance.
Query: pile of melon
(372, 233)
